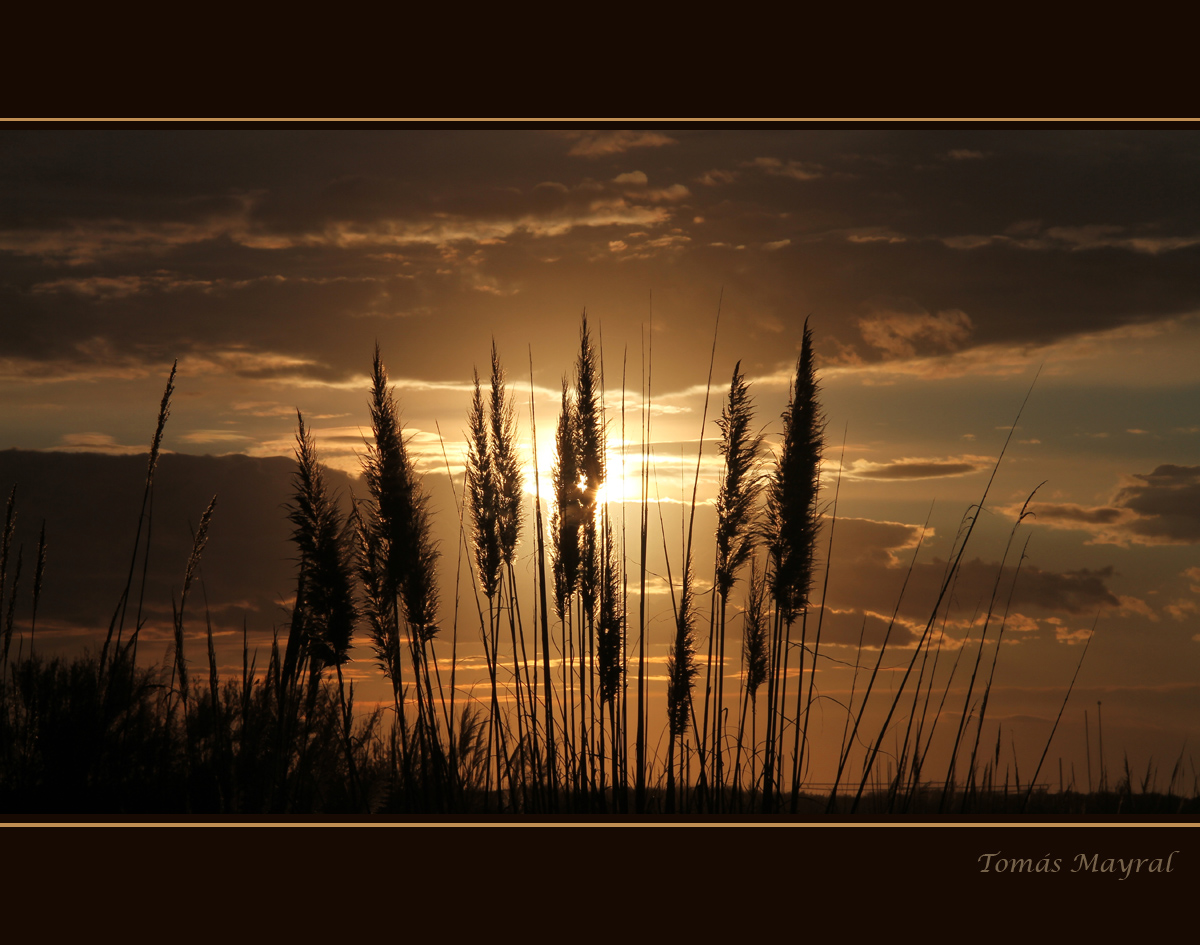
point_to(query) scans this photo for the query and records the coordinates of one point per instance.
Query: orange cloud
(899, 333)
(594, 144)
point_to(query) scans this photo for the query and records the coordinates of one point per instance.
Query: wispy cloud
(214, 436)
(103, 288)
(1157, 508)
(96, 443)
(1032, 236)
(918, 468)
(626, 201)
(796, 170)
(594, 144)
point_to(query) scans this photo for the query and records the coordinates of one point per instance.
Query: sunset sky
(941, 270)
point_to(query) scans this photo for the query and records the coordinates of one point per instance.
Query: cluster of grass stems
(564, 726)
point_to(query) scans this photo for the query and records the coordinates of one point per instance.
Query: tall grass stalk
(1000, 636)
(1058, 718)
(736, 536)
(801, 745)
(198, 543)
(849, 742)
(509, 486)
(952, 571)
(609, 649)
(483, 499)
(6, 538)
(755, 659)
(640, 740)
(325, 598)
(791, 533)
(623, 798)
(164, 411)
(12, 607)
(681, 674)
(686, 607)
(408, 556)
(565, 523)
(38, 574)
(590, 440)
(547, 687)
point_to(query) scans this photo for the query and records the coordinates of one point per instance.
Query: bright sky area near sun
(941, 270)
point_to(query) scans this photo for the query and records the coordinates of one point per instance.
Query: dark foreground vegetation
(563, 729)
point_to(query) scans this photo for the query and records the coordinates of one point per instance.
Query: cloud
(716, 177)
(598, 211)
(873, 234)
(105, 288)
(964, 154)
(1072, 592)
(1157, 508)
(1166, 503)
(78, 242)
(632, 177)
(793, 169)
(96, 443)
(898, 333)
(270, 408)
(648, 248)
(98, 359)
(1070, 515)
(912, 468)
(548, 210)
(1183, 609)
(1135, 605)
(1193, 576)
(88, 363)
(214, 436)
(594, 144)
(874, 574)
(847, 627)
(672, 194)
(244, 362)
(1102, 236)
(635, 184)
(865, 539)
(1060, 357)
(1030, 235)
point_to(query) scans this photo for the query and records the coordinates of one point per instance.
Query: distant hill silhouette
(90, 503)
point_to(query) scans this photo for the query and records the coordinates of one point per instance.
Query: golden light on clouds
(940, 273)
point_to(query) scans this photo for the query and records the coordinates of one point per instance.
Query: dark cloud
(1166, 503)
(864, 540)
(877, 587)
(1069, 592)
(1160, 507)
(1052, 512)
(912, 470)
(292, 238)
(874, 572)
